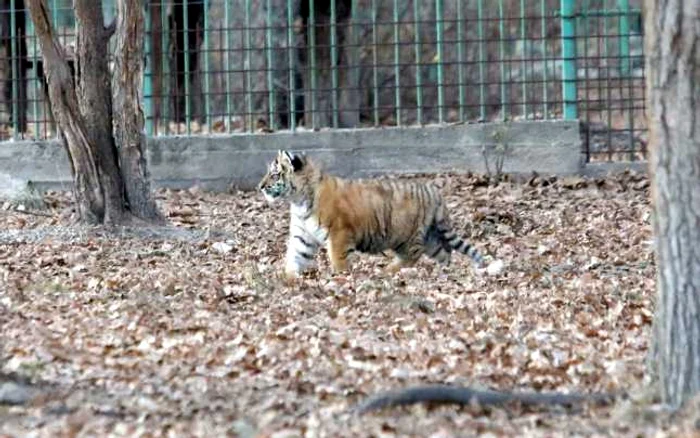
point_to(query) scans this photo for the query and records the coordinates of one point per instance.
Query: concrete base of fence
(220, 161)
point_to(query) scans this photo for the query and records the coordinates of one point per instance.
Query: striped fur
(408, 218)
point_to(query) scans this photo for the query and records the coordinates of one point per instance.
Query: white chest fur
(302, 220)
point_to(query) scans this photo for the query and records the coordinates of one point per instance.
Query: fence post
(568, 57)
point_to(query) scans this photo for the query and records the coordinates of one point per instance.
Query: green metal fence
(225, 66)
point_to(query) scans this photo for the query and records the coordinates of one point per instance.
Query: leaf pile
(190, 331)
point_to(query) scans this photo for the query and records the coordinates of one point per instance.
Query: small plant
(499, 150)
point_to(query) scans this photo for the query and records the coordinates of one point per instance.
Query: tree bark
(64, 107)
(95, 101)
(127, 88)
(672, 31)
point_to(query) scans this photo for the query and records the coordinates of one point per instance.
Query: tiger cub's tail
(455, 242)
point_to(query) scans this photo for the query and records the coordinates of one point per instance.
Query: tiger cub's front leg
(301, 250)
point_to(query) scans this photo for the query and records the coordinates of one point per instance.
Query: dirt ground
(188, 330)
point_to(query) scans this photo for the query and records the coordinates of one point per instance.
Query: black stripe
(304, 242)
(388, 211)
(305, 255)
(305, 217)
(400, 247)
(435, 252)
(416, 217)
(443, 228)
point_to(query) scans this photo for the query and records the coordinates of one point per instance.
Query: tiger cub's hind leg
(338, 248)
(435, 247)
(439, 252)
(407, 254)
(398, 263)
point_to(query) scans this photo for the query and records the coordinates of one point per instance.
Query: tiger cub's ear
(296, 161)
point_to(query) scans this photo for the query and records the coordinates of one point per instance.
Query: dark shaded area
(347, 98)
(186, 23)
(15, 67)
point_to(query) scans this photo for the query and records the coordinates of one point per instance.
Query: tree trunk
(95, 102)
(110, 186)
(673, 83)
(127, 88)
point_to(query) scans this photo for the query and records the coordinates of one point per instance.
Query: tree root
(446, 394)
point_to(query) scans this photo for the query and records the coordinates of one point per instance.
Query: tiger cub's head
(285, 176)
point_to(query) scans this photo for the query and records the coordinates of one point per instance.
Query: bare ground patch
(188, 330)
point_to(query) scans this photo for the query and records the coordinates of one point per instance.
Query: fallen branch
(30, 212)
(446, 394)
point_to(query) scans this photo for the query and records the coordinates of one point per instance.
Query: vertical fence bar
(312, 48)
(270, 76)
(501, 59)
(397, 67)
(37, 85)
(624, 46)
(545, 74)
(227, 68)
(439, 30)
(523, 65)
(186, 49)
(165, 68)
(624, 6)
(460, 59)
(290, 55)
(482, 60)
(417, 50)
(54, 14)
(248, 120)
(207, 70)
(624, 39)
(15, 70)
(334, 63)
(375, 61)
(148, 73)
(354, 71)
(568, 55)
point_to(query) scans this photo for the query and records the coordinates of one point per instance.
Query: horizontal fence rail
(215, 66)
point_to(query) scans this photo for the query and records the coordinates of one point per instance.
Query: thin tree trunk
(128, 114)
(673, 83)
(65, 109)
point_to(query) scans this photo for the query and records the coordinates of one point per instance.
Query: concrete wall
(216, 162)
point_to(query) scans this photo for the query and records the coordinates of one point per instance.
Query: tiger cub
(371, 216)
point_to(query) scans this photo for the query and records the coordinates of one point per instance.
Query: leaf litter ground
(189, 330)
